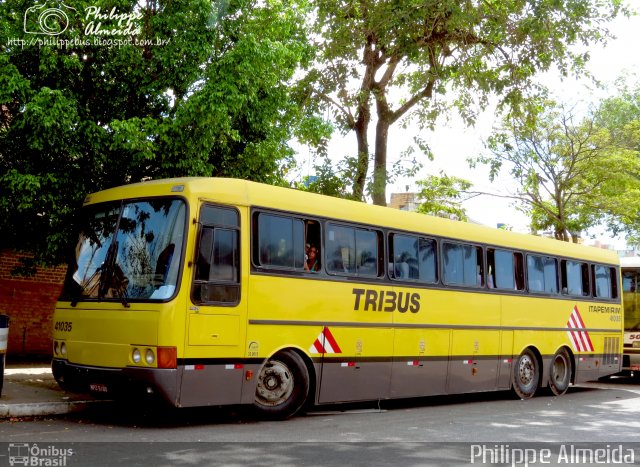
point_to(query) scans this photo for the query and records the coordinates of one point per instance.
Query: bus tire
(526, 374)
(282, 386)
(560, 372)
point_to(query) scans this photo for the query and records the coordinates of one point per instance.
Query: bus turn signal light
(167, 357)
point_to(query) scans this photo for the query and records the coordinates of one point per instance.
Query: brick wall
(29, 302)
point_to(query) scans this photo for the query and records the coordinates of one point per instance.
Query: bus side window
(542, 274)
(312, 240)
(614, 283)
(573, 275)
(518, 259)
(427, 258)
(405, 255)
(480, 278)
(413, 258)
(501, 269)
(604, 280)
(586, 284)
(368, 246)
(340, 247)
(462, 264)
(353, 250)
(280, 241)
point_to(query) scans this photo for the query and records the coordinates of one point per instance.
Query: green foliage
(443, 196)
(412, 60)
(619, 115)
(329, 180)
(209, 94)
(573, 173)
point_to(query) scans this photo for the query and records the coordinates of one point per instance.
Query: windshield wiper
(106, 270)
(112, 277)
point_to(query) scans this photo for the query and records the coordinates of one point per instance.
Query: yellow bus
(630, 267)
(209, 291)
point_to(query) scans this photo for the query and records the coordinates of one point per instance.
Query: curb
(39, 409)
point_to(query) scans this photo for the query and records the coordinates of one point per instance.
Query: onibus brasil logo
(32, 454)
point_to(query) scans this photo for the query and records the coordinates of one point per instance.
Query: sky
(452, 142)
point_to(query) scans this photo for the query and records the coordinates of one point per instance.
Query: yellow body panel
(103, 336)
(377, 319)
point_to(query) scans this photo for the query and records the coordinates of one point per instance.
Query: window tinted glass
(224, 260)
(405, 257)
(413, 258)
(203, 264)
(542, 274)
(504, 273)
(218, 256)
(366, 253)
(427, 259)
(214, 215)
(217, 274)
(575, 280)
(353, 251)
(461, 265)
(341, 249)
(604, 280)
(280, 241)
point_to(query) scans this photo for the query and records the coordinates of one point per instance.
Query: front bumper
(631, 358)
(125, 382)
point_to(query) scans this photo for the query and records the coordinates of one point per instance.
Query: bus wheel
(560, 374)
(526, 375)
(283, 386)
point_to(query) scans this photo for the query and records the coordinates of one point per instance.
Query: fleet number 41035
(64, 326)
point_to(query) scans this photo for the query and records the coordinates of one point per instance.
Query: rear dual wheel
(526, 373)
(560, 372)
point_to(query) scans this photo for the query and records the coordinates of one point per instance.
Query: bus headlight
(149, 357)
(63, 350)
(135, 356)
(55, 348)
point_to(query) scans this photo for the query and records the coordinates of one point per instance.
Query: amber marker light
(167, 357)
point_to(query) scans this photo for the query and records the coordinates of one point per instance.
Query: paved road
(428, 431)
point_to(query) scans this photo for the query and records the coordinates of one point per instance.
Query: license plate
(97, 387)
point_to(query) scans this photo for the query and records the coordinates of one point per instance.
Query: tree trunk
(561, 233)
(379, 192)
(361, 128)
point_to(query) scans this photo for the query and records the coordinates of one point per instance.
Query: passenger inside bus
(312, 263)
(312, 238)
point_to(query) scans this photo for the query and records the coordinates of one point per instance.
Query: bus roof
(243, 192)
(630, 262)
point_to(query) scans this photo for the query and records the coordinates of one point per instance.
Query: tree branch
(344, 110)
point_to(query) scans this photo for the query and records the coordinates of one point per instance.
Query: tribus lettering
(386, 300)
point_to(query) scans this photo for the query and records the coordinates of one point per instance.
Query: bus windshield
(631, 299)
(127, 251)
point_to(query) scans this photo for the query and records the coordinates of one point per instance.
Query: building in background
(404, 201)
(29, 301)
